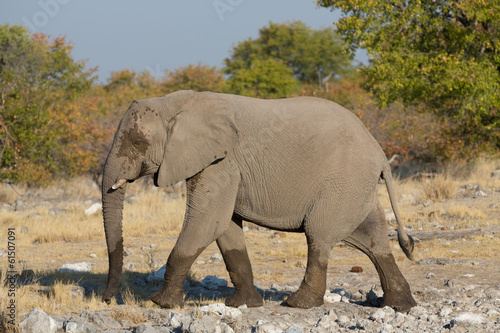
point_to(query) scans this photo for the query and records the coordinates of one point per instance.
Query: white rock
(263, 327)
(212, 282)
(332, 297)
(492, 313)
(467, 319)
(445, 312)
(390, 217)
(386, 328)
(174, 319)
(222, 311)
(74, 327)
(216, 257)
(80, 267)
(93, 209)
(378, 315)
(38, 321)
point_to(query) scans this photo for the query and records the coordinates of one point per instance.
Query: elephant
(301, 164)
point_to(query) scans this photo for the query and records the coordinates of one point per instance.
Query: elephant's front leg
(233, 249)
(210, 203)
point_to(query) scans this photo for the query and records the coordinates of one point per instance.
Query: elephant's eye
(138, 142)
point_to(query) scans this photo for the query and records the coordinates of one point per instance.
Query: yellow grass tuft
(440, 188)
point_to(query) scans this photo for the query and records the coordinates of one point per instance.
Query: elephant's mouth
(155, 179)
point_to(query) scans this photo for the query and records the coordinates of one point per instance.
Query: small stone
(495, 173)
(430, 275)
(467, 320)
(378, 315)
(294, 329)
(449, 283)
(300, 264)
(263, 327)
(386, 328)
(38, 321)
(128, 252)
(77, 292)
(130, 266)
(332, 298)
(357, 269)
(92, 255)
(93, 209)
(216, 257)
(468, 275)
(145, 328)
(81, 267)
(72, 326)
(428, 203)
(175, 319)
(226, 313)
(444, 312)
(343, 319)
(493, 313)
(479, 193)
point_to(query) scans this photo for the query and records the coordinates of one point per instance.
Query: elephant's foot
(400, 302)
(249, 296)
(305, 298)
(168, 299)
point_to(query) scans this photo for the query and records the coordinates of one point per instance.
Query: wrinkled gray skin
(300, 165)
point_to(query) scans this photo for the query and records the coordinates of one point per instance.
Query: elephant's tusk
(119, 184)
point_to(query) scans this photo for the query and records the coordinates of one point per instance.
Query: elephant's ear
(203, 132)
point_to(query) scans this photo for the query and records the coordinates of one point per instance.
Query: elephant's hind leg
(234, 251)
(312, 289)
(371, 237)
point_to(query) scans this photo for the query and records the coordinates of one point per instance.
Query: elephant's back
(293, 150)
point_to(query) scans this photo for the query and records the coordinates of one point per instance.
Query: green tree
(125, 77)
(311, 55)
(196, 77)
(44, 130)
(444, 55)
(266, 78)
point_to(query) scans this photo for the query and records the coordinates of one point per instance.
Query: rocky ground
(449, 305)
(453, 295)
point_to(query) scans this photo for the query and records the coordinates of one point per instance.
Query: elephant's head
(173, 137)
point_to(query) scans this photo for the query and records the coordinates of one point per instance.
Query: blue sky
(158, 35)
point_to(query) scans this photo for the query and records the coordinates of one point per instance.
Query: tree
(45, 131)
(198, 78)
(266, 78)
(311, 55)
(443, 55)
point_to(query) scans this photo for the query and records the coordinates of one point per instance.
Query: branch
(448, 234)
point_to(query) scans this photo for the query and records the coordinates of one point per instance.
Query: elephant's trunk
(112, 207)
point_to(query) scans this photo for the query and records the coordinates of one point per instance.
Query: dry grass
(440, 188)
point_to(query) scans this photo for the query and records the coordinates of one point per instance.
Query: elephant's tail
(405, 241)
